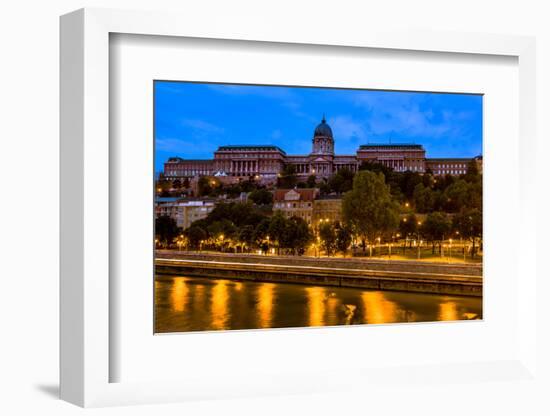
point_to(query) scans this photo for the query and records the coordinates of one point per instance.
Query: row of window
(449, 172)
(292, 204)
(450, 166)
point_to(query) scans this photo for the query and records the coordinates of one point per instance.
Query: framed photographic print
(356, 228)
(275, 214)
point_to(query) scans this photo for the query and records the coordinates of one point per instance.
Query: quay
(410, 276)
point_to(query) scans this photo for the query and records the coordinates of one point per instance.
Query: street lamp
(418, 238)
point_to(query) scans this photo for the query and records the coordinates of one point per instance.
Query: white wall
(29, 209)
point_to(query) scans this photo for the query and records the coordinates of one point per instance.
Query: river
(185, 304)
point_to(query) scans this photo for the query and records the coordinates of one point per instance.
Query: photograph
(301, 206)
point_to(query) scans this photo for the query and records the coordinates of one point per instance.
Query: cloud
(182, 147)
(346, 128)
(285, 97)
(201, 126)
(409, 115)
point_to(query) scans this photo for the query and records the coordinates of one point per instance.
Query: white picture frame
(85, 212)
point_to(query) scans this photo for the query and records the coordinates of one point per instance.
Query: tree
(368, 208)
(327, 235)
(260, 234)
(311, 181)
(288, 177)
(472, 171)
(222, 231)
(261, 196)
(297, 235)
(423, 198)
(343, 238)
(341, 181)
(277, 229)
(196, 235)
(457, 196)
(469, 223)
(408, 227)
(325, 188)
(166, 229)
(206, 185)
(435, 227)
(245, 235)
(407, 183)
(186, 183)
(376, 167)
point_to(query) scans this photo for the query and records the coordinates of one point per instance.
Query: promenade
(411, 276)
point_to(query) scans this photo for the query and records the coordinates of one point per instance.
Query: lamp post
(418, 239)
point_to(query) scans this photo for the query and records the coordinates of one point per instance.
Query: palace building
(268, 161)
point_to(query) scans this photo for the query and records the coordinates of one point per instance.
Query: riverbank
(410, 276)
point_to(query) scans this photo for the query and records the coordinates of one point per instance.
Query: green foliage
(166, 229)
(407, 183)
(261, 196)
(311, 181)
(469, 223)
(343, 238)
(261, 232)
(327, 235)
(368, 208)
(472, 172)
(325, 188)
(342, 181)
(224, 230)
(238, 213)
(408, 226)
(246, 235)
(424, 198)
(376, 168)
(297, 236)
(288, 178)
(206, 186)
(436, 227)
(195, 234)
(277, 229)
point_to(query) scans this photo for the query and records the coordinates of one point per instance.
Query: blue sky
(192, 120)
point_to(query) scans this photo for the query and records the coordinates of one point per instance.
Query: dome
(323, 129)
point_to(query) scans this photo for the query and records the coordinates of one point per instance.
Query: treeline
(243, 227)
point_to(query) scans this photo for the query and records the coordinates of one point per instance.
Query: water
(199, 304)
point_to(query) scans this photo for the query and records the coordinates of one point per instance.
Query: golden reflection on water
(448, 311)
(178, 295)
(199, 295)
(191, 304)
(332, 305)
(266, 301)
(220, 311)
(316, 305)
(378, 310)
